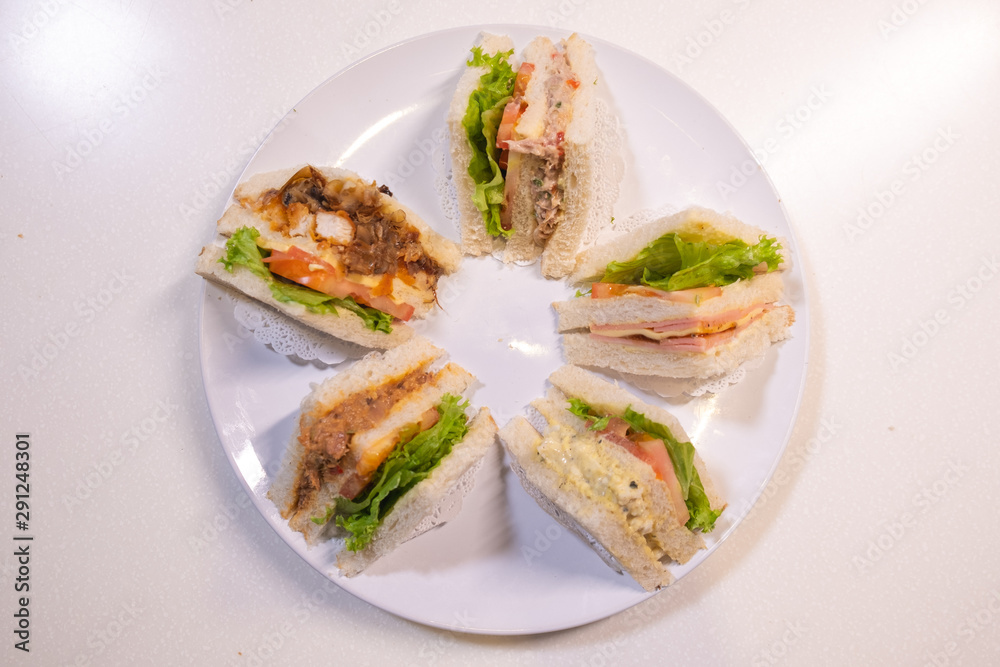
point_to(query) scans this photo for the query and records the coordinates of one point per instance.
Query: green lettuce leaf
(681, 457)
(405, 467)
(324, 304)
(673, 263)
(580, 408)
(481, 121)
(702, 515)
(681, 453)
(242, 250)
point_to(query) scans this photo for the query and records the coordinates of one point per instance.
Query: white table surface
(875, 542)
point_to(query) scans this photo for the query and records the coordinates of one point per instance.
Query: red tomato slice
(656, 451)
(629, 446)
(573, 83)
(693, 295)
(505, 132)
(606, 290)
(323, 277)
(512, 112)
(523, 76)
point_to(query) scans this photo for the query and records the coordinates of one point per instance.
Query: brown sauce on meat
(383, 243)
(326, 441)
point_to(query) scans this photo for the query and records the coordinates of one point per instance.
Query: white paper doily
(288, 337)
(690, 387)
(633, 222)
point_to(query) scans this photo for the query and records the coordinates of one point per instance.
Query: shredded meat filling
(327, 441)
(382, 241)
(547, 189)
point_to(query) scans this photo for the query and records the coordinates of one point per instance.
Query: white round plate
(503, 566)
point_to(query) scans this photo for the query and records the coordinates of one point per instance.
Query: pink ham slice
(698, 343)
(680, 325)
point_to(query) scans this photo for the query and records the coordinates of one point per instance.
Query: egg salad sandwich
(691, 295)
(331, 250)
(620, 473)
(521, 135)
(377, 448)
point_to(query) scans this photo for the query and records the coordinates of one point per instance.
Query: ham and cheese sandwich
(692, 295)
(331, 250)
(521, 138)
(376, 449)
(620, 473)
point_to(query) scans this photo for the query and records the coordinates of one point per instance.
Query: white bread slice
(345, 324)
(711, 225)
(582, 312)
(750, 343)
(602, 528)
(423, 499)
(373, 370)
(237, 215)
(606, 397)
(578, 172)
(636, 544)
(475, 240)
(521, 247)
(452, 379)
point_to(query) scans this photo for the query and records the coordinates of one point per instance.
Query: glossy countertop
(124, 127)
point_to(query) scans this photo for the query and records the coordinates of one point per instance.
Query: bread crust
(714, 226)
(577, 316)
(558, 255)
(582, 312)
(345, 324)
(606, 527)
(750, 343)
(475, 240)
(421, 501)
